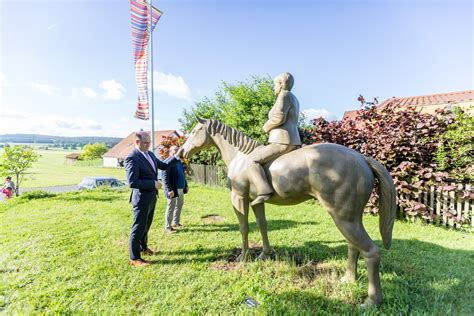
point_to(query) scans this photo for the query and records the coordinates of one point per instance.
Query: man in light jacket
(175, 186)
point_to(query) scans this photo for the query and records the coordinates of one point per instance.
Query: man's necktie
(150, 161)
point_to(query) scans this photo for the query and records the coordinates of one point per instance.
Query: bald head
(142, 140)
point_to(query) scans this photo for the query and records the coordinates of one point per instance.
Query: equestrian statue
(284, 173)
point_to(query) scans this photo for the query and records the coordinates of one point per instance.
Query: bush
(404, 140)
(34, 195)
(456, 151)
(168, 142)
(93, 151)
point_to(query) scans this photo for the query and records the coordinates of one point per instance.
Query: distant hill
(48, 139)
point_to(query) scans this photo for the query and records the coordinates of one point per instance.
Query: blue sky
(66, 67)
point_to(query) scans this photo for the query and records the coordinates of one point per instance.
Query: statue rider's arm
(279, 111)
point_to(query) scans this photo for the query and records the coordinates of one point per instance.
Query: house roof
(73, 156)
(432, 99)
(430, 102)
(125, 146)
(350, 114)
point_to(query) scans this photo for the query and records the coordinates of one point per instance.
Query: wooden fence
(445, 209)
(215, 176)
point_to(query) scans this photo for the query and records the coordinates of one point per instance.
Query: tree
(455, 152)
(243, 106)
(15, 161)
(93, 151)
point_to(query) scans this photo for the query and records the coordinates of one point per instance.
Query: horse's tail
(387, 203)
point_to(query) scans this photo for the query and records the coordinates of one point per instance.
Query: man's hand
(157, 185)
(179, 153)
(170, 194)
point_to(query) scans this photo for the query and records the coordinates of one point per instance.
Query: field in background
(51, 170)
(69, 254)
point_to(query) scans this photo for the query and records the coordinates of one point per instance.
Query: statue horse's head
(197, 140)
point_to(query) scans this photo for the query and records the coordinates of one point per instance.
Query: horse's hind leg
(259, 211)
(244, 230)
(357, 236)
(352, 257)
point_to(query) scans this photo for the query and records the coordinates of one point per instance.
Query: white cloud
(3, 79)
(12, 114)
(52, 26)
(88, 92)
(13, 121)
(113, 90)
(317, 113)
(74, 93)
(172, 85)
(18, 122)
(43, 88)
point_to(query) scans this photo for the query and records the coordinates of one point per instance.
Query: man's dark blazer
(170, 180)
(140, 174)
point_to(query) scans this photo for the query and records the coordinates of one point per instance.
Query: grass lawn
(69, 254)
(51, 169)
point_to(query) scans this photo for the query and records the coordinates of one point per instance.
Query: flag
(140, 36)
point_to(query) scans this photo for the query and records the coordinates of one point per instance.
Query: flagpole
(150, 9)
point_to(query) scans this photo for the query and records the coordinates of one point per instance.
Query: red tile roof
(125, 146)
(433, 101)
(350, 114)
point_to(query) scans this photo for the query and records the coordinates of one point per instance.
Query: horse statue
(340, 178)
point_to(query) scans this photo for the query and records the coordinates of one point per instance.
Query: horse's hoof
(369, 303)
(264, 256)
(242, 258)
(348, 279)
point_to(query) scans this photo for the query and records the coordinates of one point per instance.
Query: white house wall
(110, 162)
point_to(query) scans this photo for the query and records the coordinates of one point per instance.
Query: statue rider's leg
(256, 173)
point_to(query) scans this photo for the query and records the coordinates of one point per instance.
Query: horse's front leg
(259, 211)
(244, 230)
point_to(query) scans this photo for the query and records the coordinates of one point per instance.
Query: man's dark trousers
(142, 218)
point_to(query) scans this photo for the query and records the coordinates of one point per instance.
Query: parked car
(95, 182)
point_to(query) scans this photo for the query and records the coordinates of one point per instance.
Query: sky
(66, 67)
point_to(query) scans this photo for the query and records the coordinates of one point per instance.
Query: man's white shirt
(148, 158)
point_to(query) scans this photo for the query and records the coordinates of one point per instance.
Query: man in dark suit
(141, 168)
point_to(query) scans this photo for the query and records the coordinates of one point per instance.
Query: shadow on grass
(77, 196)
(272, 225)
(199, 254)
(417, 277)
(305, 303)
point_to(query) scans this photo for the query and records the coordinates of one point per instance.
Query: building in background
(72, 158)
(116, 155)
(429, 103)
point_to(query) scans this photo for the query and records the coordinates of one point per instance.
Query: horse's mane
(238, 139)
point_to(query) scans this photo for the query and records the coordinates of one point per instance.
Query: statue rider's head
(283, 81)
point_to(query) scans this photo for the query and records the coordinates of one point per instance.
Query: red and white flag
(140, 38)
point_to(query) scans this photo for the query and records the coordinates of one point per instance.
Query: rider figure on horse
(284, 137)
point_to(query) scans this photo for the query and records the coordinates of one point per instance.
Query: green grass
(69, 254)
(51, 170)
